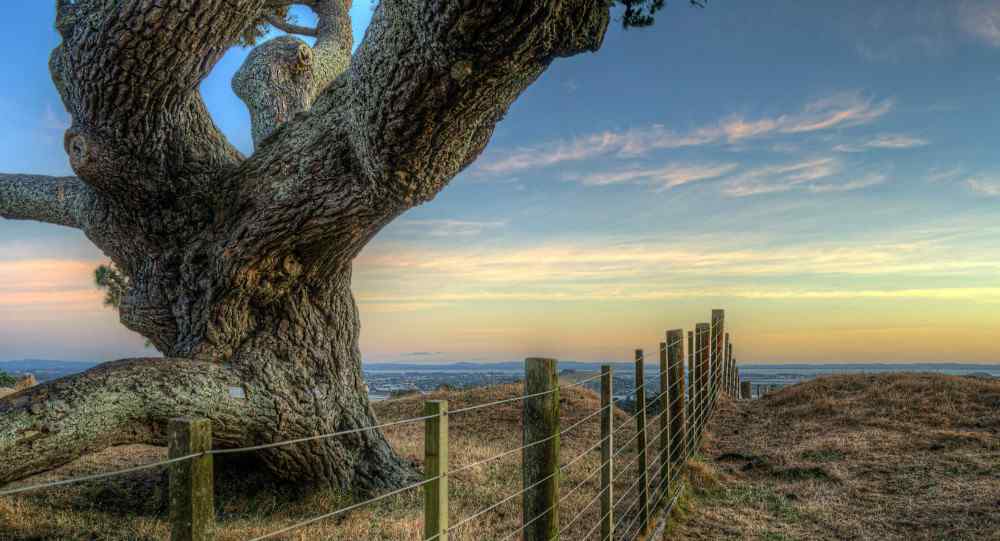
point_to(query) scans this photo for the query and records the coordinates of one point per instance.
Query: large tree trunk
(239, 269)
(297, 374)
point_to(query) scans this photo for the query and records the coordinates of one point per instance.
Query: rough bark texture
(240, 268)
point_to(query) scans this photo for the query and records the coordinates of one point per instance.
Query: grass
(897, 456)
(904, 456)
(134, 507)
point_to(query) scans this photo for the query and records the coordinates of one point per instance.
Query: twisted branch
(284, 25)
(55, 200)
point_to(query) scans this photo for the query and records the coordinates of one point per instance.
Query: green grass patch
(822, 455)
(757, 497)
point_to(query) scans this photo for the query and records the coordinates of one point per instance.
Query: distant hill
(754, 370)
(45, 370)
(465, 366)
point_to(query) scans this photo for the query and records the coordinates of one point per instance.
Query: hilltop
(892, 456)
(899, 456)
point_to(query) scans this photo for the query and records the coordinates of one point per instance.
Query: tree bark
(239, 269)
(296, 375)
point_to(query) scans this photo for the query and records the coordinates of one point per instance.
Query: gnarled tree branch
(418, 103)
(431, 81)
(284, 25)
(56, 200)
(116, 403)
(128, 73)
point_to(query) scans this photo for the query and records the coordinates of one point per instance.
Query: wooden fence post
(678, 436)
(692, 403)
(745, 390)
(701, 332)
(736, 371)
(607, 449)
(192, 507)
(718, 330)
(436, 465)
(665, 400)
(727, 355)
(640, 404)
(540, 463)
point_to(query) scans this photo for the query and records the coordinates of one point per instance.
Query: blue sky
(825, 171)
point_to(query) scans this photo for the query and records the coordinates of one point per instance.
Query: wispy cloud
(837, 111)
(613, 270)
(884, 142)
(662, 178)
(981, 20)
(454, 228)
(974, 294)
(780, 178)
(896, 49)
(615, 261)
(861, 183)
(982, 186)
(49, 284)
(841, 110)
(944, 174)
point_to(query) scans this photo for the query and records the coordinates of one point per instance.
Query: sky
(826, 172)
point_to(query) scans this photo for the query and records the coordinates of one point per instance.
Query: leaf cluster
(642, 13)
(113, 282)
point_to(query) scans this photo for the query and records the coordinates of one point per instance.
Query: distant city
(387, 380)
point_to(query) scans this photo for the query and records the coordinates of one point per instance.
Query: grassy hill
(897, 456)
(845, 457)
(134, 507)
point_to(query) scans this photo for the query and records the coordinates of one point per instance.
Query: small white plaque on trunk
(237, 392)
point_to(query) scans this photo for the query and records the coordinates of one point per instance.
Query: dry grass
(847, 457)
(134, 507)
(901, 456)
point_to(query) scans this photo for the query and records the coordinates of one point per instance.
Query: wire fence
(635, 480)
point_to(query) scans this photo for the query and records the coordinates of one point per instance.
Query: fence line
(713, 373)
(283, 443)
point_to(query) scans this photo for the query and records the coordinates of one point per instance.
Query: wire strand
(101, 475)
(345, 509)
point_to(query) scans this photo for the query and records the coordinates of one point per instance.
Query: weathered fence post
(728, 379)
(436, 465)
(192, 508)
(701, 332)
(718, 330)
(745, 390)
(665, 399)
(607, 448)
(540, 463)
(640, 404)
(736, 370)
(675, 373)
(692, 403)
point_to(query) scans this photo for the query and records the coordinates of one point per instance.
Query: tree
(7, 380)
(238, 268)
(113, 282)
